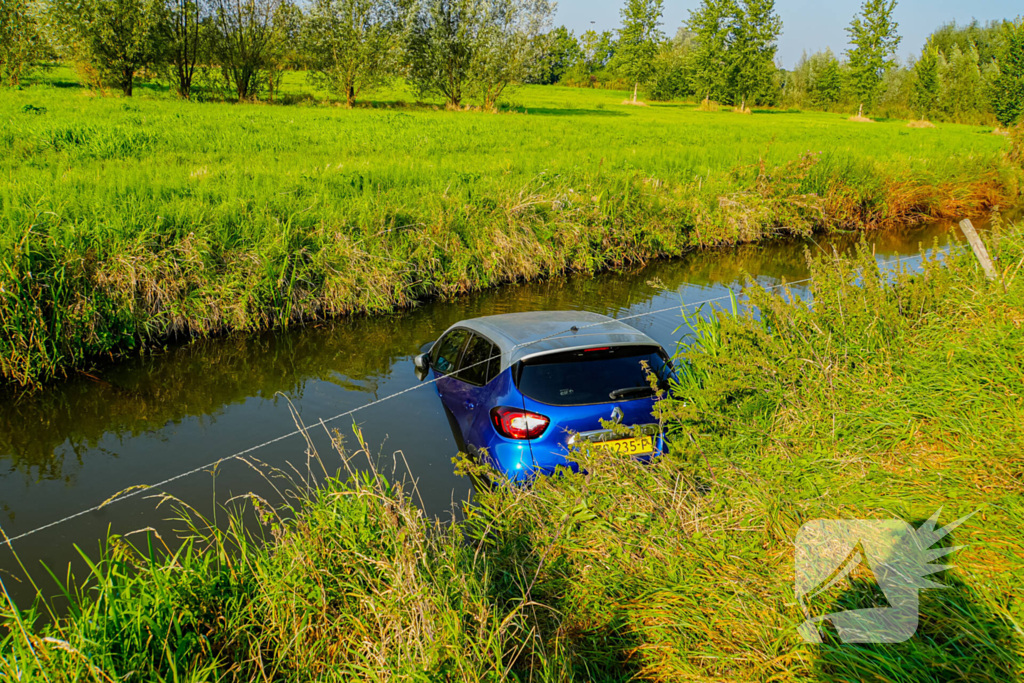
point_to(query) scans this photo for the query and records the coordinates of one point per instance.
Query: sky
(809, 25)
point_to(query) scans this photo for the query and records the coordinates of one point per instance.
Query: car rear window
(603, 375)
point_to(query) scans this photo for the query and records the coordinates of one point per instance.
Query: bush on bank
(893, 396)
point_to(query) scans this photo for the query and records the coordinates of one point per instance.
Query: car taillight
(518, 424)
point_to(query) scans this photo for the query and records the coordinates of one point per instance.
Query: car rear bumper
(522, 461)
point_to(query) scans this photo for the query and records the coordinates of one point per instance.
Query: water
(77, 444)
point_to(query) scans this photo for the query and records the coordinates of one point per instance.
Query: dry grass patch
(708, 105)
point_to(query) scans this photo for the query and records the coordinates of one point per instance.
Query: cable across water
(134, 491)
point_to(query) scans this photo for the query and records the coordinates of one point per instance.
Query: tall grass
(893, 395)
(125, 223)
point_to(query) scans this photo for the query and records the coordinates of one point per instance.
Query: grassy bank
(125, 222)
(892, 397)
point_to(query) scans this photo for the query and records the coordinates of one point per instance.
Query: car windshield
(602, 375)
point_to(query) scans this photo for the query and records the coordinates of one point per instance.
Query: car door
(444, 361)
(468, 390)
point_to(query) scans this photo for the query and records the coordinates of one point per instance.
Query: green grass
(124, 222)
(891, 397)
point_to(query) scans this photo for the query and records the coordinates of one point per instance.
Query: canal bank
(894, 396)
(80, 443)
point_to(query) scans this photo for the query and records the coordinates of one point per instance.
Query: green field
(894, 397)
(127, 221)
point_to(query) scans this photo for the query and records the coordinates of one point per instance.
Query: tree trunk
(127, 77)
(350, 96)
(184, 82)
(635, 86)
(242, 85)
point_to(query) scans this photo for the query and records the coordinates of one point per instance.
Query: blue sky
(809, 24)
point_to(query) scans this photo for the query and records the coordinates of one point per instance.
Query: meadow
(892, 397)
(128, 222)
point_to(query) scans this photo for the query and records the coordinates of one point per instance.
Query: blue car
(523, 388)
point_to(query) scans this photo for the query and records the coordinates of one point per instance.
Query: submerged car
(523, 389)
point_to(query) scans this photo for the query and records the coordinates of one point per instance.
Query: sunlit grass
(124, 221)
(890, 397)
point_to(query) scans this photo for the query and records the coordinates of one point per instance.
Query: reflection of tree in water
(357, 354)
(196, 379)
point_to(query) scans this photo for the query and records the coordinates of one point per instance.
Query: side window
(446, 352)
(494, 367)
(477, 361)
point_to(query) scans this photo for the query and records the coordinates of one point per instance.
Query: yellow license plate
(635, 446)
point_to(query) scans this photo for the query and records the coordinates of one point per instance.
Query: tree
(1008, 86)
(508, 48)
(440, 47)
(827, 85)
(875, 40)
(926, 84)
(598, 50)
(896, 90)
(20, 40)
(962, 84)
(353, 45)
(560, 55)
(243, 42)
(673, 69)
(986, 39)
(182, 40)
(117, 37)
(712, 25)
(284, 49)
(460, 47)
(990, 75)
(639, 38)
(752, 48)
(798, 83)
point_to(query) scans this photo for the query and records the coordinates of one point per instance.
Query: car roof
(520, 336)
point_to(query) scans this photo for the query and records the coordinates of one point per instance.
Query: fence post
(979, 249)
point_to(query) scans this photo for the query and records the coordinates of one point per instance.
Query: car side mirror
(422, 363)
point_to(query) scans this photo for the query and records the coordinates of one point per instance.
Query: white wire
(134, 491)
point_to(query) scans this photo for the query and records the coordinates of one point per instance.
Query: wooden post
(979, 249)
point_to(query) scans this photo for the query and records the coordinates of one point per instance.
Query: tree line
(726, 52)
(449, 48)
(963, 74)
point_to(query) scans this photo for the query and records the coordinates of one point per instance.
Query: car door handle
(470, 405)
